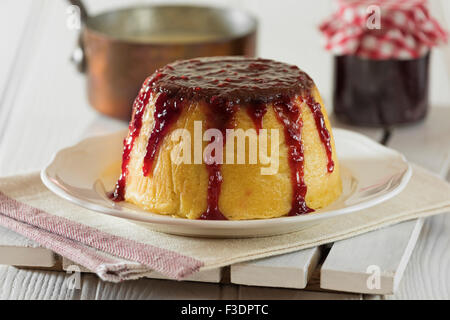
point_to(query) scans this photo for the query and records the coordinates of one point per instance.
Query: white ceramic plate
(371, 174)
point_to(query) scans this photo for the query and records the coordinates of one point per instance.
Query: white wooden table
(43, 108)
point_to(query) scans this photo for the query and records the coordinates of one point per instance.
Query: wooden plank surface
(19, 251)
(25, 284)
(352, 264)
(32, 100)
(254, 293)
(427, 275)
(291, 270)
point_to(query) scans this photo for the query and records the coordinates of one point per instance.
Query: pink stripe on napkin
(78, 242)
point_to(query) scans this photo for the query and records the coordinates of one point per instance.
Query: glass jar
(380, 92)
(382, 54)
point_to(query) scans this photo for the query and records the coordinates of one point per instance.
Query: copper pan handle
(78, 56)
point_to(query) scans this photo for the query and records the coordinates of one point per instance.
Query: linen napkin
(118, 249)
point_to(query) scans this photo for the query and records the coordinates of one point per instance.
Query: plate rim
(228, 224)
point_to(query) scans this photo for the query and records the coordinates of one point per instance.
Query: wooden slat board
(253, 293)
(19, 251)
(427, 274)
(348, 265)
(25, 284)
(291, 270)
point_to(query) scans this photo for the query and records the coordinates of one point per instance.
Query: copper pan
(119, 49)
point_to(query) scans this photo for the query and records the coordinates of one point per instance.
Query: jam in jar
(382, 54)
(383, 93)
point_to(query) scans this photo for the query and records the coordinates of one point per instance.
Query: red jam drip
(220, 116)
(256, 111)
(324, 134)
(289, 114)
(139, 106)
(167, 111)
(214, 186)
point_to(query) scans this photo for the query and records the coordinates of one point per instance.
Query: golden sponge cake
(165, 170)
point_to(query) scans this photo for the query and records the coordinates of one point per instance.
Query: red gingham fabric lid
(407, 29)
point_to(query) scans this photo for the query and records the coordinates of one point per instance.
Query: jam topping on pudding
(235, 80)
(226, 85)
